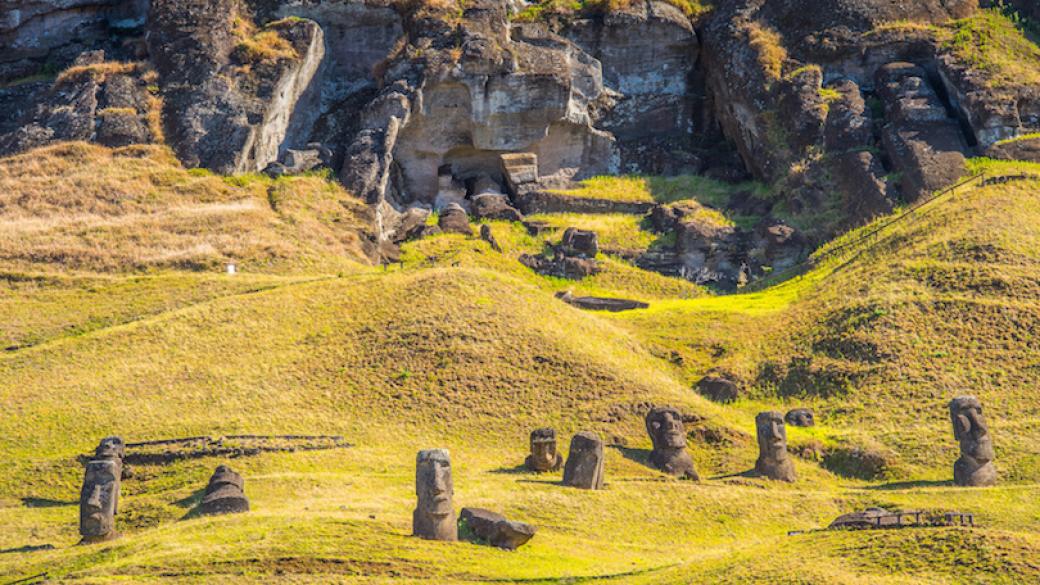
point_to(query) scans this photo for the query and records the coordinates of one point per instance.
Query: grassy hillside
(464, 348)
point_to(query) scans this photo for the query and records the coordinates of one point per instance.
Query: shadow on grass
(640, 456)
(31, 502)
(517, 470)
(904, 485)
(191, 503)
(27, 548)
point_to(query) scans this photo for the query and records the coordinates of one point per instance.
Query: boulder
(718, 388)
(487, 236)
(454, 220)
(579, 243)
(561, 266)
(495, 529)
(494, 206)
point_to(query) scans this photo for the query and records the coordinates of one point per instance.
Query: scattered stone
(454, 220)
(225, 493)
(600, 303)
(718, 389)
(579, 243)
(536, 228)
(668, 435)
(434, 515)
(584, 468)
(495, 206)
(773, 460)
(487, 236)
(495, 529)
(800, 417)
(561, 266)
(99, 501)
(975, 466)
(543, 455)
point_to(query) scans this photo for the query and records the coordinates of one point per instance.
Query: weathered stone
(494, 206)
(561, 266)
(113, 448)
(495, 529)
(975, 466)
(225, 493)
(800, 417)
(584, 467)
(99, 500)
(519, 168)
(434, 515)
(454, 220)
(487, 236)
(449, 191)
(1027, 149)
(579, 243)
(718, 389)
(543, 456)
(665, 426)
(773, 460)
(600, 304)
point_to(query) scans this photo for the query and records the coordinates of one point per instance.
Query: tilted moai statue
(773, 460)
(975, 466)
(668, 435)
(115, 449)
(225, 493)
(543, 455)
(99, 501)
(584, 468)
(434, 515)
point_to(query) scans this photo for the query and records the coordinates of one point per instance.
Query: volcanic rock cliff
(850, 107)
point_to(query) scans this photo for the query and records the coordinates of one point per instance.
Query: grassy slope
(464, 348)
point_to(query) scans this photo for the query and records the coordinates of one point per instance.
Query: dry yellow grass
(770, 48)
(83, 207)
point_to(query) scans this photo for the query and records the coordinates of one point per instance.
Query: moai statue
(773, 460)
(668, 435)
(543, 455)
(434, 516)
(99, 501)
(800, 417)
(225, 493)
(115, 449)
(975, 466)
(584, 468)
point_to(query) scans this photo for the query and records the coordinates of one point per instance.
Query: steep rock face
(648, 51)
(97, 101)
(52, 33)
(789, 79)
(224, 108)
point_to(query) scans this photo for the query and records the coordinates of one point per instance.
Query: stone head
(969, 427)
(666, 428)
(543, 446)
(772, 434)
(99, 498)
(224, 476)
(433, 482)
(110, 448)
(800, 417)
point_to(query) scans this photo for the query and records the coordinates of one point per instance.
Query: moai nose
(94, 500)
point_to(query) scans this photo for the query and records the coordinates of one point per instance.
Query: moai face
(970, 429)
(110, 448)
(773, 459)
(434, 516)
(668, 435)
(666, 429)
(98, 500)
(801, 417)
(543, 455)
(772, 435)
(975, 465)
(584, 467)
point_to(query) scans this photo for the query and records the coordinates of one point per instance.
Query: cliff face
(866, 99)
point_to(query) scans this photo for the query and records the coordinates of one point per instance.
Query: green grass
(995, 47)
(467, 349)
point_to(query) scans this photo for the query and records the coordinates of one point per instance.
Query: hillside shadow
(31, 502)
(516, 470)
(640, 456)
(191, 503)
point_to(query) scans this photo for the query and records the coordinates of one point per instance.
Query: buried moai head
(584, 468)
(800, 417)
(543, 455)
(668, 435)
(434, 515)
(99, 500)
(225, 493)
(773, 460)
(975, 465)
